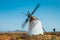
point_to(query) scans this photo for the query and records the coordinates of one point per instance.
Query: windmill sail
(29, 16)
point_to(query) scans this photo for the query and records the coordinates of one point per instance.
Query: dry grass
(24, 36)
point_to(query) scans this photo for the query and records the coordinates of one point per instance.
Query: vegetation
(24, 36)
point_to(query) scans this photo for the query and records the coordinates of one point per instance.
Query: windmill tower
(35, 25)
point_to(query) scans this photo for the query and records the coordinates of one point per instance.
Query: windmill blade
(28, 14)
(35, 9)
(24, 14)
(23, 25)
(44, 29)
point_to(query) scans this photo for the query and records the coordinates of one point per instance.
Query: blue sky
(12, 17)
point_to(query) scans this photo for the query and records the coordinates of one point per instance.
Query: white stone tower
(35, 26)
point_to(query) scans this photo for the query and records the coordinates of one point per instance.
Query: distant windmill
(35, 26)
(54, 30)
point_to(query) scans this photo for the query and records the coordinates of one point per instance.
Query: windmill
(35, 25)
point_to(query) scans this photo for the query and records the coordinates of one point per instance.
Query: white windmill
(35, 25)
